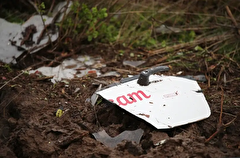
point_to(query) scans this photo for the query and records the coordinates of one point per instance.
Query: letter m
(137, 94)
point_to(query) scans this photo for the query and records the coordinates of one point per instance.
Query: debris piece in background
(94, 97)
(76, 90)
(200, 78)
(59, 112)
(163, 29)
(198, 48)
(43, 78)
(59, 9)
(224, 79)
(70, 68)
(166, 102)
(16, 38)
(133, 63)
(158, 137)
(7, 32)
(98, 82)
(110, 74)
(112, 142)
(179, 72)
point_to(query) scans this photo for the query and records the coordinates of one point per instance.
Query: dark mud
(30, 128)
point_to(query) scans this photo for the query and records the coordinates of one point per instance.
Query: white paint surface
(169, 101)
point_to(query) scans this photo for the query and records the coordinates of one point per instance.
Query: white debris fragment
(70, 68)
(166, 102)
(11, 34)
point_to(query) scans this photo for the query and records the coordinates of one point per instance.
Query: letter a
(122, 98)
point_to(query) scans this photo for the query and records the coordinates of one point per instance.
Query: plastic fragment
(200, 78)
(224, 79)
(160, 142)
(166, 102)
(112, 142)
(59, 112)
(133, 63)
(163, 29)
(110, 74)
(14, 41)
(77, 90)
(94, 97)
(69, 69)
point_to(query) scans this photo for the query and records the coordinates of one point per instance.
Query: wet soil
(29, 126)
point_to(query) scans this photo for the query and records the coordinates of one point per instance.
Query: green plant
(187, 36)
(145, 39)
(84, 21)
(121, 52)
(7, 66)
(41, 8)
(108, 32)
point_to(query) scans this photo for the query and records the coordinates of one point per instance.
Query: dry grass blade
(194, 43)
(12, 79)
(232, 18)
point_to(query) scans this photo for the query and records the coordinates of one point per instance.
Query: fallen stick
(221, 126)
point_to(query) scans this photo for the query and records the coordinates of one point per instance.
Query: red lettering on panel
(111, 100)
(122, 100)
(138, 96)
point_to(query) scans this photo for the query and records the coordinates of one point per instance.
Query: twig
(59, 58)
(42, 33)
(212, 136)
(49, 38)
(199, 28)
(226, 113)
(233, 19)
(23, 71)
(221, 111)
(212, 45)
(123, 23)
(221, 126)
(50, 10)
(124, 71)
(64, 15)
(113, 4)
(220, 73)
(230, 122)
(231, 16)
(47, 26)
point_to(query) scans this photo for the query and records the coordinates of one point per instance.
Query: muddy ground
(29, 126)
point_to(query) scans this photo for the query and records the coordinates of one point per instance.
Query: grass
(206, 30)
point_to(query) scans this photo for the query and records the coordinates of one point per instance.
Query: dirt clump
(29, 126)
